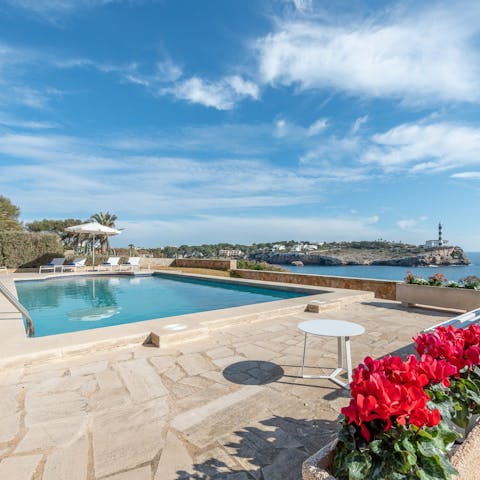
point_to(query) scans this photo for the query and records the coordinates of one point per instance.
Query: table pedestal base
(334, 374)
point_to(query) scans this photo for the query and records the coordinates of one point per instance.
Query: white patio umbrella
(93, 229)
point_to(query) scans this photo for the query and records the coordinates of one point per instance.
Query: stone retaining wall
(385, 289)
(156, 262)
(441, 297)
(200, 263)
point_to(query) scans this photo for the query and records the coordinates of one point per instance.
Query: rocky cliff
(437, 256)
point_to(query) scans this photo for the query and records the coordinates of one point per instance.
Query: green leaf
(462, 415)
(447, 466)
(376, 447)
(432, 467)
(427, 448)
(358, 465)
(445, 436)
(411, 459)
(424, 433)
(408, 445)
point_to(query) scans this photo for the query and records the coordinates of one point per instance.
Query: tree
(108, 220)
(170, 252)
(58, 227)
(9, 214)
(131, 247)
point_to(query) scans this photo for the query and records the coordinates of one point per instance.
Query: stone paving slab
(231, 406)
(68, 462)
(19, 468)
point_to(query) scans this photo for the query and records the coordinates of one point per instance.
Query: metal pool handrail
(8, 295)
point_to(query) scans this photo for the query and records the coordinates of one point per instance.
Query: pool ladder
(8, 295)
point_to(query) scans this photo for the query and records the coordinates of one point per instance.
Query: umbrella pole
(93, 252)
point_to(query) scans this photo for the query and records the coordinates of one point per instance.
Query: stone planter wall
(465, 459)
(441, 297)
(147, 262)
(200, 263)
(382, 288)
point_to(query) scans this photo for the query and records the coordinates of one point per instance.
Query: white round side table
(332, 328)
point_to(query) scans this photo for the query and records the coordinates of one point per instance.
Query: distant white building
(435, 243)
(439, 242)
(303, 247)
(230, 253)
(278, 247)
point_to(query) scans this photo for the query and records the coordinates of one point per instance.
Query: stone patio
(227, 407)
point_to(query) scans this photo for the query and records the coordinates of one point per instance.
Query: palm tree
(108, 220)
(131, 247)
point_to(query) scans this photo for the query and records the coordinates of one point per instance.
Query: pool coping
(17, 349)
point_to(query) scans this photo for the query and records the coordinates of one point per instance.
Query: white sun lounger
(53, 265)
(132, 263)
(76, 263)
(4, 269)
(461, 321)
(110, 263)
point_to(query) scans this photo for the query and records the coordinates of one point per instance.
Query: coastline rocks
(437, 256)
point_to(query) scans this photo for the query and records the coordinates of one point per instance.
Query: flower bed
(471, 282)
(401, 419)
(439, 292)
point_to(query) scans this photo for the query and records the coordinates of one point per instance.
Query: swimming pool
(82, 303)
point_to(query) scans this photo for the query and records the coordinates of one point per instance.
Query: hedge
(25, 249)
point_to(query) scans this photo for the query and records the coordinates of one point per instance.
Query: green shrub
(252, 265)
(25, 249)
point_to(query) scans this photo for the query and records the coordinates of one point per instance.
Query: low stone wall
(441, 297)
(200, 263)
(385, 289)
(156, 262)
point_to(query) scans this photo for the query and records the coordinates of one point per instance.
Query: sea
(381, 272)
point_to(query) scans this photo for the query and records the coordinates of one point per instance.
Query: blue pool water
(69, 305)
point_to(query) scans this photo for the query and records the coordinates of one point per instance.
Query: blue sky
(208, 121)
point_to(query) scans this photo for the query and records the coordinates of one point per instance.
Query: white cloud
(150, 76)
(359, 122)
(243, 87)
(222, 94)
(425, 147)
(163, 72)
(69, 175)
(27, 96)
(243, 229)
(426, 56)
(333, 151)
(166, 78)
(303, 6)
(407, 224)
(318, 126)
(9, 121)
(53, 9)
(467, 175)
(292, 131)
(163, 77)
(283, 128)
